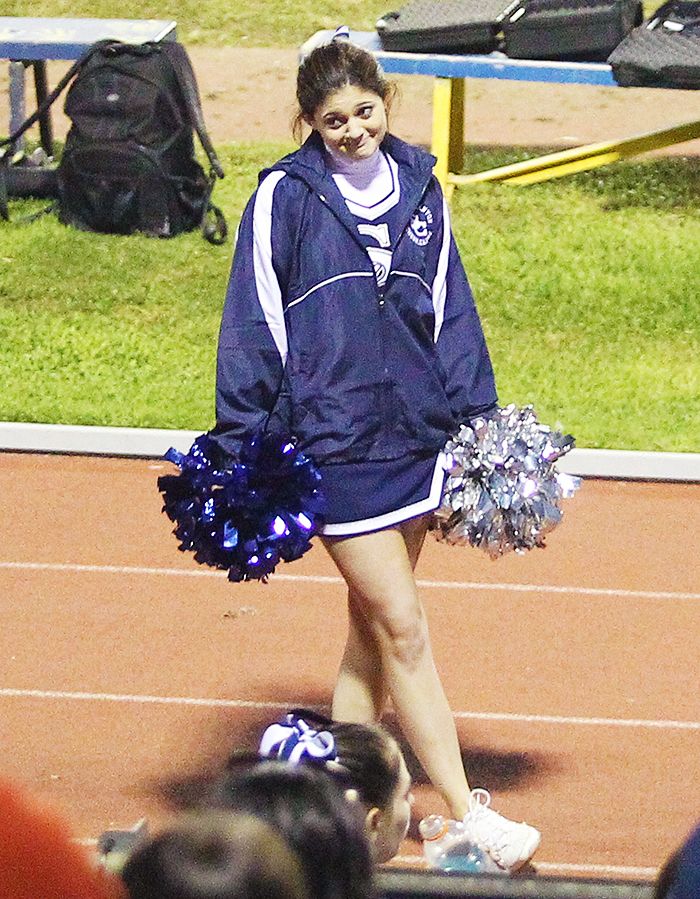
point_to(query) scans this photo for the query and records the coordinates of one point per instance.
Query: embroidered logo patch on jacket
(419, 229)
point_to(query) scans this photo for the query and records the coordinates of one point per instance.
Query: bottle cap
(434, 827)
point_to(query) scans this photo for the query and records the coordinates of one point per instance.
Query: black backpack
(129, 163)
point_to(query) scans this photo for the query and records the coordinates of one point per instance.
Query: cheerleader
(349, 323)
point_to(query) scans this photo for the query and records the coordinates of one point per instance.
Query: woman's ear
(373, 816)
(372, 821)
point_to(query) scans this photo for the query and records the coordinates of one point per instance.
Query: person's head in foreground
(39, 855)
(311, 813)
(364, 759)
(344, 96)
(215, 855)
(679, 878)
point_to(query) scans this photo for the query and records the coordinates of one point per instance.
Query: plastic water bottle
(468, 858)
(446, 845)
(438, 834)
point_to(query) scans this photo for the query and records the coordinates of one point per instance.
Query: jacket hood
(309, 162)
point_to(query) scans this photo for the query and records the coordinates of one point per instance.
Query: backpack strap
(51, 98)
(182, 67)
(213, 225)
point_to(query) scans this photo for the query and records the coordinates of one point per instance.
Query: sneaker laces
(497, 837)
(478, 799)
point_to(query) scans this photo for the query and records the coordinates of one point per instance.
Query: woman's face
(351, 121)
(392, 823)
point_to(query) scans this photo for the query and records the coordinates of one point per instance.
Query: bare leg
(379, 572)
(414, 531)
(360, 691)
(360, 694)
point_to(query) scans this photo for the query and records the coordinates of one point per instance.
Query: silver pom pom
(502, 491)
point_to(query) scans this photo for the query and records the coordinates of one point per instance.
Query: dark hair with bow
(362, 757)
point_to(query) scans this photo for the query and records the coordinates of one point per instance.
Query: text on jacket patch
(419, 229)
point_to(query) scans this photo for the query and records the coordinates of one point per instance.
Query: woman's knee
(402, 637)
(382, 596)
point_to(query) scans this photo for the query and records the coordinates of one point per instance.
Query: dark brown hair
(312, 814)
(215, 855)
(331, 67)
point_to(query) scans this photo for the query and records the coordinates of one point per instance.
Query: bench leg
(17, 106)
(448, 127)
(18, 112)
(42, 90)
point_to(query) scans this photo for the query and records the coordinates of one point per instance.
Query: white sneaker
(508, 843)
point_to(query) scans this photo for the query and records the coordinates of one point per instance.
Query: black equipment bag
(586, 30)
(662, 52)
(129, 162)
(443, 26)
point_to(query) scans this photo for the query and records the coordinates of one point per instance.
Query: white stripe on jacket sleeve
(440, 282)
(268, 288)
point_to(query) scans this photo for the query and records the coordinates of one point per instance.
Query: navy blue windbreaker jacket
(309, 344)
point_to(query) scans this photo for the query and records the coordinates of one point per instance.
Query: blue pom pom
(249, 515)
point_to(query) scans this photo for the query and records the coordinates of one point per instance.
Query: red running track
(572, 671)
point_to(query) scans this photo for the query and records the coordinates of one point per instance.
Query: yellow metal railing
(448, 146)
(580, 159)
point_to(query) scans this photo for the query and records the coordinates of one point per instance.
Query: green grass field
(274, 23)
(587, 287)
(280, 23)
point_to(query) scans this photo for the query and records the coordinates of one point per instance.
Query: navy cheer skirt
(368, 496)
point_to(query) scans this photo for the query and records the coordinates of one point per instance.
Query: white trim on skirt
(365, 525)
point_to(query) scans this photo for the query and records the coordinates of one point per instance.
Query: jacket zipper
(387, 407)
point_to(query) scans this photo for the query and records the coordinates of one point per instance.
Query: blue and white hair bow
(294, 740)
(321, 38)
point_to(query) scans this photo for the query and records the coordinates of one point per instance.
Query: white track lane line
(65, 695)
(235, 703)
(549, 867)
(326, 579)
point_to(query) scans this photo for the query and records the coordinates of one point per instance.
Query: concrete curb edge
(153, 443)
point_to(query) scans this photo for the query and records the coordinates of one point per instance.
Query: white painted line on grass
(334, 579)
(13, 693)
(154, 442)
